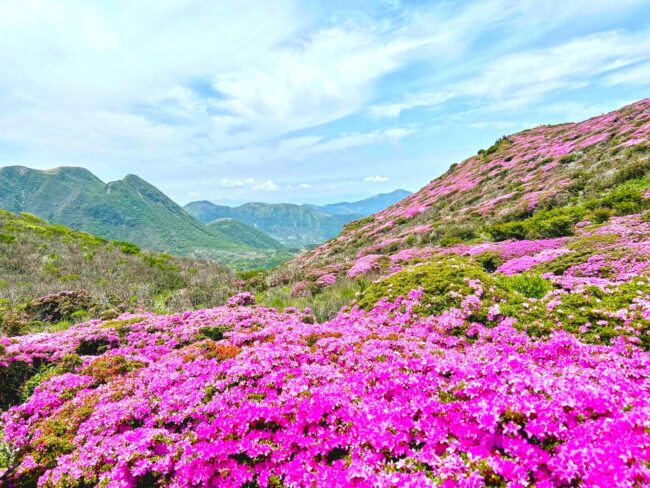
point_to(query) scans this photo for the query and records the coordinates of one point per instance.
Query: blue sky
(302, 101)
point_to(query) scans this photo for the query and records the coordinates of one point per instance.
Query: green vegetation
(324, 303)
(245, 234)
(444, 281)
(52, 276)
(501, 142)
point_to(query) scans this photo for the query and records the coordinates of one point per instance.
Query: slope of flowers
(544, 167)
(236, 396)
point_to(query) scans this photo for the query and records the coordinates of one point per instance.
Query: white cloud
(298, 148)
(194, 194)
(414, 101)
(267, 185)
(304, 186)
(228, 183)
(637, 75)
(528, 75)
(376, 179)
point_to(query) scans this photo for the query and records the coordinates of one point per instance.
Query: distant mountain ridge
(130, 209)
(367, 206)
(296, 225)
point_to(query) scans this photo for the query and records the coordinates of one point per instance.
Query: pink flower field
(383, 397)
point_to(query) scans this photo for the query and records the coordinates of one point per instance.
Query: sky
(313, 101)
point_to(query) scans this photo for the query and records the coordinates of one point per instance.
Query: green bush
(443, 282)
(557, 222)
(128, 248)
(633, 171)
(507, 230)
(626, 198)
(528, 284)
(601, 215)
(489, 261)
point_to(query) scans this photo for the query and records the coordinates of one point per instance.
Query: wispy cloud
(191, 93)
(376, 179)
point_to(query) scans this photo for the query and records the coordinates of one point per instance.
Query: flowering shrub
(517, 265)
(326, 280)
(300, 289)
(364, 265)
(242, 299)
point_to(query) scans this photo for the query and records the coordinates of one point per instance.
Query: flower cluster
(243, 298)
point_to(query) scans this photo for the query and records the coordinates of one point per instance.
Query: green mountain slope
(130, 209)
(293, 225)
(245, 234)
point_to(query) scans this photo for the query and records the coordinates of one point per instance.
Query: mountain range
(294, 225)
(131, 209)
(128, 210)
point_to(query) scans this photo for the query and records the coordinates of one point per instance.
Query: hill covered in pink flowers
(499, 336)
(536, 184)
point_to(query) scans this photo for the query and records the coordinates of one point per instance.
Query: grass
(324, 304)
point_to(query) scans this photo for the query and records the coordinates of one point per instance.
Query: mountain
(531, 185)
(296, 225)
(245, 234)
(367, 206)
(129, 209)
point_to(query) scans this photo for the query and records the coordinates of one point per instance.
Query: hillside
(535, 184)
(295, 226)
(492, 329)
(244, 233)
(50, 273)
(129, 209)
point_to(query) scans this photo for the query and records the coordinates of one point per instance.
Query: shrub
(528, 284)
(60, 306)
(626, 198)
(489, 261)
(444, 282)
(128, 248)
(557, 222)
(633, 171)
(601, 215)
